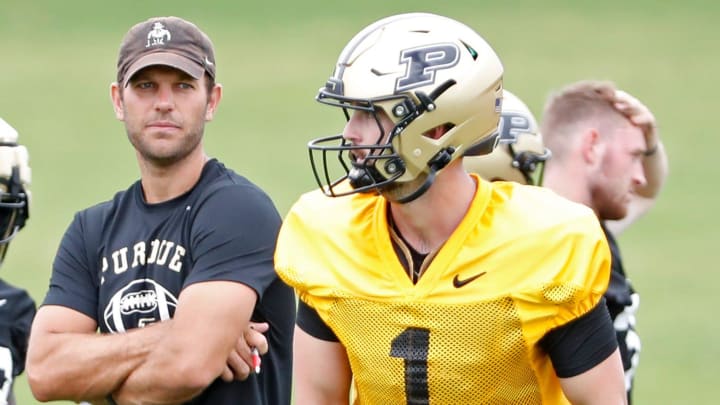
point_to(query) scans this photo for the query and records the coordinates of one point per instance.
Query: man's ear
(213, 101)
(116, 99)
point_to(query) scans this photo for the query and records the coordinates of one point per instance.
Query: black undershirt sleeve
(309, 321)
(582, 343)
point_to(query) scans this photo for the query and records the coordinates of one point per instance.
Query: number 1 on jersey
(412, 346)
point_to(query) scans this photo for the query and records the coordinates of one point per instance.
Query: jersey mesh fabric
(439, 341)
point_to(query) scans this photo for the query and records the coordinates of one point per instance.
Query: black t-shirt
(124, 263)
(623, 303)
(17, 310)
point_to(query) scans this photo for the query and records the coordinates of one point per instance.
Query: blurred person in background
(520, 153)
(17, 308)
(606, 155)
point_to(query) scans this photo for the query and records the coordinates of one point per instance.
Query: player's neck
(427, 223)
(167, 182)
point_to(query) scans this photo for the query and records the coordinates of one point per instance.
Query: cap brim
(165, 59)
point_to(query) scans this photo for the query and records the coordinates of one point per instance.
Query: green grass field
(58, 59)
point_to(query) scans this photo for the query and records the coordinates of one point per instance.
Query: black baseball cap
(168, 41)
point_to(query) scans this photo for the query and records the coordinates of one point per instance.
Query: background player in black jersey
(17, 308)
(607, 155)
(419, 282)
(172, 270)
(600, 105)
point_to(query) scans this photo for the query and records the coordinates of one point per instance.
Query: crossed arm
(165, 363)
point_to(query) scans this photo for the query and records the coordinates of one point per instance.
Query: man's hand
(639, 115)
(239, 362)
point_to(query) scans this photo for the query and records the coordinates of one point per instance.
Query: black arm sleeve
(309, 321)
(581, 344)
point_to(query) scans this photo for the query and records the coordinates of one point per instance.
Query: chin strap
(437, 163)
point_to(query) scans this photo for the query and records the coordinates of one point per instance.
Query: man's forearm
(81, 366)
(199, 341)
(655, 166)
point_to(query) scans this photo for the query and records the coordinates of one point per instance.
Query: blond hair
(578, 106)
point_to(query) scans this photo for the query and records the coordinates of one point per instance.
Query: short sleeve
(582, 344)
(72, 283)
(233, 237)
(309, 321)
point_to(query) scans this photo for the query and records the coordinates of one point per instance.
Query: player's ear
(591, 147)
(116, 98)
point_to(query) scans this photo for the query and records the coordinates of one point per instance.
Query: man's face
(363, 128)
(620, 172)
(164, 111)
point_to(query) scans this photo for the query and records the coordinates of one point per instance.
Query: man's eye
(145, 85)
(186, 86)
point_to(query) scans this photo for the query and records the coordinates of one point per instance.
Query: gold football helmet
(14, 182)
(425, 72)
(520, 154)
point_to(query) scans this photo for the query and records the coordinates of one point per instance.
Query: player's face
(621, 172)
(164, 111)
(363, 128)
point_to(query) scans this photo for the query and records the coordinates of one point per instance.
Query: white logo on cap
(208, 62)
(157, 35)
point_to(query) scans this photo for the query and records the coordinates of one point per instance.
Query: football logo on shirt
(138, 304)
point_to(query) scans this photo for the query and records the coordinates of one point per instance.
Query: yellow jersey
(522, 262)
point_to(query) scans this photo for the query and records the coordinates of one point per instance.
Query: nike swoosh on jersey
(457, 283)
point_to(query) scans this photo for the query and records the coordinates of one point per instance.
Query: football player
(17, 308)
(518, 158)
(422, 283)
(520, 154)
(607, 155)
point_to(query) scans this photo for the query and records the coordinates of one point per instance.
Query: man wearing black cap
(172, 270)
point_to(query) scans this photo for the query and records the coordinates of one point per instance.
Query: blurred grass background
(58, 59)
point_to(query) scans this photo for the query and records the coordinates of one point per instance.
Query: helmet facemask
(383, 165)
(13, 209)
(529, 162)
(14, 180)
